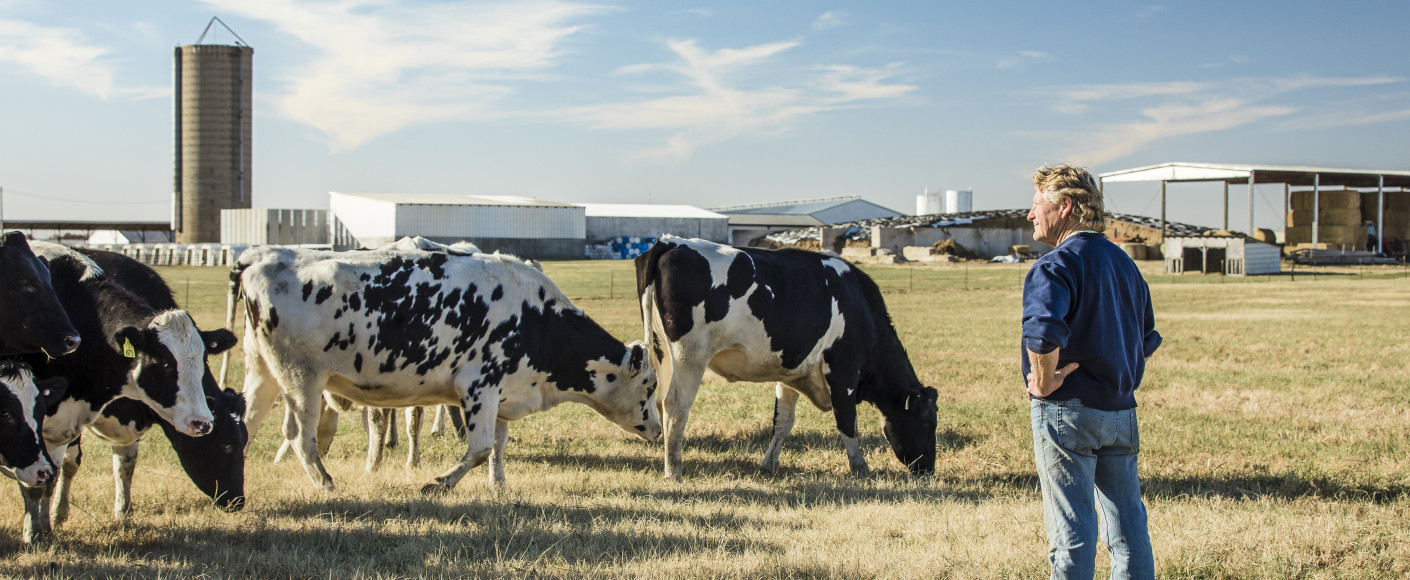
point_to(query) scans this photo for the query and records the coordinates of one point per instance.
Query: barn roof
(801, 206)
(645, 210)
(430, 199)
(1236, 173)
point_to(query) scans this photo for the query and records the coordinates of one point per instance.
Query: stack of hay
(1339, 215)
(1397, 213)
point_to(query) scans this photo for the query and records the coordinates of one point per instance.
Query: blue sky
(704, 103)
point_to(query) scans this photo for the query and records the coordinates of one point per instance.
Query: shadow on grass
(343, 537)
(1285, 486)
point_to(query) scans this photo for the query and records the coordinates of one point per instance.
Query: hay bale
(1265, 235)
(1328, 217)
(1334, 236)
(1134, 250)
(1328, 199)
(952, 248)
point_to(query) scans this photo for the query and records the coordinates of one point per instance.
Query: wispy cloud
(1345, 119)
(382, 65)
(712, 104)
(699, 11)
(1023, 58)
(830, 19)
(65, 58)
(1172, 109)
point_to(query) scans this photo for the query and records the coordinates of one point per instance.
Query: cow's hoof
(435, 489)
(861, 471)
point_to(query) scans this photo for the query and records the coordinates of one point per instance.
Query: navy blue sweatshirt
(1088, 299)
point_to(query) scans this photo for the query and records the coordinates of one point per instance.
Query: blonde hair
(1077, 184)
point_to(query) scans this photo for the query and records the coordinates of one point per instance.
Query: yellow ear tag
(127, 349)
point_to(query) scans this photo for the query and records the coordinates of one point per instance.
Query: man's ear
(1066, 207)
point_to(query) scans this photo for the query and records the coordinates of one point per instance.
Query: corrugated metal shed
(517, 225)
(1230, 255)
(751, 221)
(607, 221)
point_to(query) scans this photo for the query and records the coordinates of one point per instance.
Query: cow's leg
(327, 427)
(413, 435)
(390, 438)
(501, 441)
(261, 390)
(481, 405)
(842, 383)
(785, 404)
(438, 421)
(36, 522)
(124, 463)
(680, 395)
(73, 458)
(457, 419)
(379, 422)
(305, 399)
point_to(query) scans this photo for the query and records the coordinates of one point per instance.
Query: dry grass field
(1275, 430)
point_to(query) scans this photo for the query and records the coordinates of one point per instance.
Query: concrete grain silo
(212, 118)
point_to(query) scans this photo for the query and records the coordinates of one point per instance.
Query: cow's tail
(231, 305)
(648, 274)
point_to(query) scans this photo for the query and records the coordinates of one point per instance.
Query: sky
(707, 104)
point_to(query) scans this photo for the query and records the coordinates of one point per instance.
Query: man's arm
(1045, 376)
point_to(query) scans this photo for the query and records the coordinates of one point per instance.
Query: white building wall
(372, 222)
(491, 221)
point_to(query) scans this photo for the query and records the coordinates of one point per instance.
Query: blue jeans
(1078, 449)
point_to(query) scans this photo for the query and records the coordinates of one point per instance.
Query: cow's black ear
(931, 394)
(52, 389)
(130, 335)
(638, 356)
(237, 403)
(218, 340)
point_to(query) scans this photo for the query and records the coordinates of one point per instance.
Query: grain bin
(211, 113)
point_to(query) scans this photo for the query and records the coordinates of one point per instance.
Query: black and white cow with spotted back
(812, 322)
(398, 328)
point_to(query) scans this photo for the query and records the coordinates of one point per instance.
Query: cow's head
(910, 427)
(22, 407)
(216, 462)
(169, 361)
(626, 392)
(31, 318)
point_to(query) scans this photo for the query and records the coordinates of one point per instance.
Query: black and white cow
(31, 318)
(214, 462)
(22, 406)
(129, 349)
(409, 328)
(812, 322)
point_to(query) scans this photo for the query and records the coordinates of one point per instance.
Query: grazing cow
(129, 349)
(31, 318)
(214, 462)
(387, 328)
(22, 406)
(812, 322)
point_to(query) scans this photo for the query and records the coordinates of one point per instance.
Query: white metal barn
(607, 221)
(532, 228)
(1230, 255)
(751, 221)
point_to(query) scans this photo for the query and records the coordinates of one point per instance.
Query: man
(1088, 327)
